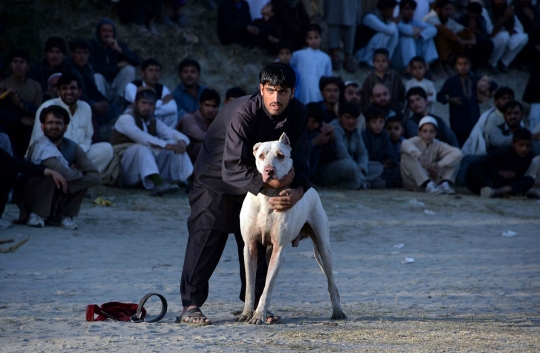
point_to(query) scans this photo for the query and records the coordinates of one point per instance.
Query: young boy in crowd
(503, 172)
(311, 64)
(418, 68)
(394, 128)
(459, 91)
(377, 142)
(382, 74)
(427, 163)
(284, 56)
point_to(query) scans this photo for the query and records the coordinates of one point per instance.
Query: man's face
(53, 128)
(463, 66)
(376, 125)
(380, 62)
(209, 110)
(54, 56)
(418, 104)
(513, 117)
(53, 87)
(522, 147)
(388, 12)
(446, 11)
(407, 13)
(145, 108)
(348, 122)
(284, 56)
(189, 76)
(380, 96)
(427, 133)
(330, 93)
(395, 130)
(313, 39)
(80, 56)
(19, 66)
(151, 75)
(502, 100)
(106, 31)
(312, 125)
(352, 94)
(275, 98)
(69, 93)
(418, 70)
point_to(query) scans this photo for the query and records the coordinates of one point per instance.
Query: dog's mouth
(269, 174)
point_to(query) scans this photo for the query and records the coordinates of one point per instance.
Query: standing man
(225, 171)
(166, 109)
(341, 17)
(188, 93)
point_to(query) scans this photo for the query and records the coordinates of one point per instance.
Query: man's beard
(54, 139)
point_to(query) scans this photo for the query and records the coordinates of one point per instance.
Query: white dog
(260, 224)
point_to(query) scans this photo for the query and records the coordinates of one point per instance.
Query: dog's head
(273, 158)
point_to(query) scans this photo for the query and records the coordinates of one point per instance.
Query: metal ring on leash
(137, 317)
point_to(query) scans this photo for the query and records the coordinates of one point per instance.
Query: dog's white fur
(260, 224)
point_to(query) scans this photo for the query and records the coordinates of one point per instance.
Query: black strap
(137, 317)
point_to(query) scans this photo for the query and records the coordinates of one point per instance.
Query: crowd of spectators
(379, 133)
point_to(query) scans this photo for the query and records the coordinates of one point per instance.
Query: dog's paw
(256, 319)
(338, 315)
(244, 317)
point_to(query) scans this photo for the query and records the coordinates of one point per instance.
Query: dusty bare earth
(469, 288)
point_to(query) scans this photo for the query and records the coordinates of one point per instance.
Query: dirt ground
(469, 289)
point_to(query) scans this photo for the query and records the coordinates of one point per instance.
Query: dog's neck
(271, 192)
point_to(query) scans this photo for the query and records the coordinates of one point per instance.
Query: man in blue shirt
(188, 93)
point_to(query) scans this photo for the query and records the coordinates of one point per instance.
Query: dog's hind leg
(251, 253)
(259, 315)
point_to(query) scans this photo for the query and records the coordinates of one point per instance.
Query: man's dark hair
(413, 91)
(418, 59)
(315, 111)
(373, 113)
(313, 27)
(384, 4)
(19, 53)
(461, 56)
(442, 3)
(234, 92)
(504, 91)
(349, 108)
(55, 42)
(149, 62)
(67, 78)
(512, 105)
(410, 3)
(79, 43)
(147, 93)
(55, 110)
(381, 51)
(278, 74)
(189, 62)
(209, 94)
(394, 119)
(284, 44)
(474, 8)
(327, 80)
(522, 134)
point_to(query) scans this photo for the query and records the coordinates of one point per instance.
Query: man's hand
(27, 121)
(417, 31)
(167, 99)
(101, 107)
(434, 170)
(286, 200)
(113, 43)
(507, 174)
(179, 147)
(273, 40)
(253, 30)
(121, 64)
(321, 139)
(59, 180)
(278, 184)
(454, 100)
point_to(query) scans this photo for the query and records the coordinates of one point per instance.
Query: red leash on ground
(124, 311)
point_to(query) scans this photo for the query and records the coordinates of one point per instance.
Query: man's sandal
(190, 316)
(272, 319)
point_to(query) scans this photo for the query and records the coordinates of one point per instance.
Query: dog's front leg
(250, 263)
(259, 316)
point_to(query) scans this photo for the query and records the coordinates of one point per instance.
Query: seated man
(415, 37)
(195, 124)
(39, 199)
(233, 93)
(113, 61)
(506, 33)
(418, 104)
(504, 171)
(331, 88)
(166, 109)
(378, 30)
(380, 97)
(501, 136)
(351, 168)
(80, 129)
(188, 93)
(104, 110)
(478, 141)
(322, 146)
(427, 163)
(147, 151)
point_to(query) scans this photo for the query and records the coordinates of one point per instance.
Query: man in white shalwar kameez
(80, 129)
(152, 153)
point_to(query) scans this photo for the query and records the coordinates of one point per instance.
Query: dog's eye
(280, 156)
(261, 156)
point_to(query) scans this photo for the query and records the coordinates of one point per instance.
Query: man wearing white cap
(427, 163)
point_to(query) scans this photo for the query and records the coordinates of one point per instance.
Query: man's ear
(261, 88)
(256, 147)
(42, 127)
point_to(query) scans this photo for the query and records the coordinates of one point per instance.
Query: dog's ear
(284, 139)
(256, 147)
